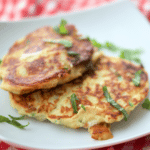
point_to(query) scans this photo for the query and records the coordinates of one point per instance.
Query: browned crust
(97, 105)
(100, 131)
(38, 77)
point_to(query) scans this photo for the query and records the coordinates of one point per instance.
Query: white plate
(120, 23)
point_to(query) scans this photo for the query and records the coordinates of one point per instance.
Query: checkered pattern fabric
(13, 10)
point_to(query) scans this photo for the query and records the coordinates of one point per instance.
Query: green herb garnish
(16, 118)
(66, 68)
(72, 53)
(122, 55)
(95, 43)
(131, 104)
(137, 78)
(132, 55)
(18, 125)
(146, 104)
(73, 102)
(61, 29)
(83, 107)
(129, 54)
(110, 46)
(113, 103)
(3, 119)
(0, 61)
(13, 121)
(66, 43)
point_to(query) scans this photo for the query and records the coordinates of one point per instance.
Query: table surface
(14, 10)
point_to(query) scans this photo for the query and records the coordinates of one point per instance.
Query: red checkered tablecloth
(13, 10)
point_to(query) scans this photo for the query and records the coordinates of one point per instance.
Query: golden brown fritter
(32, 63)
(55, 104)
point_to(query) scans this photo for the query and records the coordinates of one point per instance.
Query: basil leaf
(137, 78)
(18, 125)
(16, 118)
(61, 29)
(63, 22)
(4, 119)
(95, 43)
(82, 106)
(66, 68)
(0, 61)
(66, 43)
(72, 53)
(131, 104)
(13, 121)
(131, 55)
(73, 102)
(110, 46)
(113, 103)
(146, 104)
(122, 55)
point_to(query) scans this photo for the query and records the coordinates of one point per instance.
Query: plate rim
(17, 145)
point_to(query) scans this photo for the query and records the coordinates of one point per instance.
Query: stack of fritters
(33, 71)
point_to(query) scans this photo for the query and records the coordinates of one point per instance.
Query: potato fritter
(32, 63)
(97, 113)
